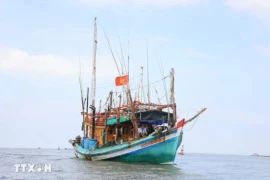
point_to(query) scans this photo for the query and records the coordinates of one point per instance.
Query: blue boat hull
(161, 148)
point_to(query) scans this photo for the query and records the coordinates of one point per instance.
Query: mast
(148, 90)
(127, 96)
(172, 99)
(87, 101)
(142, 90)
(165, 89)
(93, 120)
(93, 85)
(133, 117)
(82, 101)
(112, 53)
(110, 103)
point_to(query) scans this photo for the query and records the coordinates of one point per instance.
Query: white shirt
(141, 130)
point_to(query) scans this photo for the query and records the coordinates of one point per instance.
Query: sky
(220, 51)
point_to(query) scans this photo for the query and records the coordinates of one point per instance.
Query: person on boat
(142, 131)
(150, 129)
(171, 124)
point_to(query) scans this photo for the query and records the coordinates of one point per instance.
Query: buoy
(182, 150)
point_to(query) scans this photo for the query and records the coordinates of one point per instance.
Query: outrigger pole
(196, 115)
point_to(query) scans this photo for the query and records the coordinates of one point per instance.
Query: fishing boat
(132, 131)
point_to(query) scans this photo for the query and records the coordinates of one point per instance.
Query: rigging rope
(164, 95)
(193, 124)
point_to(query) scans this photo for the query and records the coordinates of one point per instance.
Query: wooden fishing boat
(132, 131)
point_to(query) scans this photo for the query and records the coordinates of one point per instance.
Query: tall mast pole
(93, 85)
(142, 90)
(148, 90)
(128, 99)
(87, 106)
(172, 99)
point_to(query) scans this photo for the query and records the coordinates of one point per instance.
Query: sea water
(64, 165)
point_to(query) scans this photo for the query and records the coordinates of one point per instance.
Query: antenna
(164, 85)
(112, 53)
(82, 101)
(123, 59)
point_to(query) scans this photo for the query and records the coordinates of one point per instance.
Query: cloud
(260, 8)
(19, 61)
(143, 2)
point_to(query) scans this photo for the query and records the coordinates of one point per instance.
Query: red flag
(121, 80)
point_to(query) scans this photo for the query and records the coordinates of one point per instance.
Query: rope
(164, 95)
(193, 124)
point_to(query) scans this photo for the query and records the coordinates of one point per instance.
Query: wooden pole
(87, 101)
(82, 100)
(110, 104)
(93, 85)
(133, 117)
(93, 121)
(196, 115)
(148, 87)
(172, 98)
